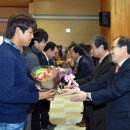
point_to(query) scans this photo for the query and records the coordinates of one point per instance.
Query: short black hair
(50, 45)
(39, 35)
(78, 49)
(23, 21)
(72, 44)
(124, 41)
(99, 40)
(87, 48)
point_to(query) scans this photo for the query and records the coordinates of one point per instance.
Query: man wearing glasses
(113, 90)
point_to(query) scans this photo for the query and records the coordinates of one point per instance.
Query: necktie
(117, 68)
(75, 68)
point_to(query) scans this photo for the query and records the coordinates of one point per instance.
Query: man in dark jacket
(44, 58)
(83, 67)
(114, 89)
(95, 115)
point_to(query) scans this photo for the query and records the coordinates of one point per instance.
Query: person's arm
(85, 80)
(118, 89)
(94, 85)
(88, 87)
(32, 61)
(14, 86)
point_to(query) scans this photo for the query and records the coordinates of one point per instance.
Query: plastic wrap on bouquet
(47, 77)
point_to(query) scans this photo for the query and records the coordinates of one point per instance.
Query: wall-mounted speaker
(104, 18)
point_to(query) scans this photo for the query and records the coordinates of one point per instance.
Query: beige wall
(82, 30)
(77, 7)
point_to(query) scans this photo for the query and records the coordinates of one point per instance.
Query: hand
(81, 96)
(67, 91)
(48, 94)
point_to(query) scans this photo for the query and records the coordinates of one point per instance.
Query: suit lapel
(76, 66)
(99, 66)
(124, 67)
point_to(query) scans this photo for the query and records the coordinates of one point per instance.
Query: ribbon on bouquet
(70, 80)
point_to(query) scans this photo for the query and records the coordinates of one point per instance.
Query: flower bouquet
(67, 79)
(47, 77)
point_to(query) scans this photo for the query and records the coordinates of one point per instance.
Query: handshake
(77, 95)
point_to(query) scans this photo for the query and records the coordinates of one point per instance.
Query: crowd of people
(102, 75)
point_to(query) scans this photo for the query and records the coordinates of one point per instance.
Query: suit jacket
(97, 113)
(100, 70)
(43, 60)
(115, 91)
(83, 68)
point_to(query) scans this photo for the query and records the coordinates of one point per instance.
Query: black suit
(96, 114)
(83, 68)
(114, 89)
(42, 107)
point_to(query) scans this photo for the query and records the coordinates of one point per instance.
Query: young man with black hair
(17, 90)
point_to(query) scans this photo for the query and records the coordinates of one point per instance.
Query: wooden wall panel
(120, 19)
(6, 12)
(106, 31)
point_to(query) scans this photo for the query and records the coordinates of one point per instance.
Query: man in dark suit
(44, 58)
(95, 115)
(113, 89)
(82, 66)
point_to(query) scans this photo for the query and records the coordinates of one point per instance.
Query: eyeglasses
(114, 46)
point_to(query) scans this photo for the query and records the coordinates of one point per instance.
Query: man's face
(118, 53)
(74, 55)
(41, 45)
(96, 51)
(52, 53)
(26, 37)
(57, 53)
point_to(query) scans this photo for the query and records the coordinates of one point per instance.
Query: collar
(78, 59)
(45, 55)
(103, 57)
(120, 64)
(8, 41)
(35, 50)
